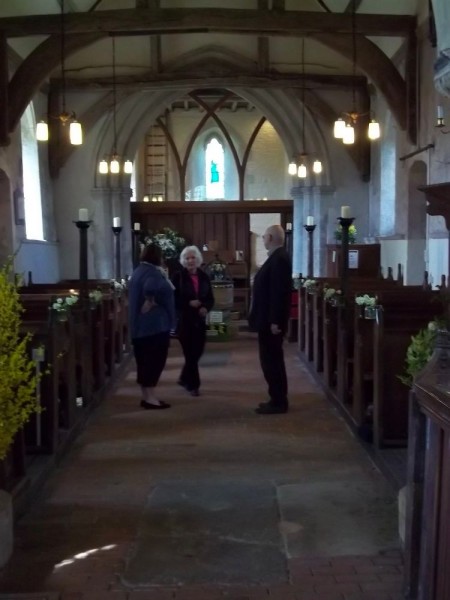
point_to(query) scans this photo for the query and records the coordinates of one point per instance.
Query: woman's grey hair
(194, 250)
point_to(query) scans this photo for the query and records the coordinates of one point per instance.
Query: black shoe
(271, 409)
(264, 404)
(194, 392)
(159, 406)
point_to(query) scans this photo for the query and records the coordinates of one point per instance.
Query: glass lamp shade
(42, 131)
(349, 135)
(128, 167)
(160, 199)
(75, 133)
(292, 169)
(302, 171)
(114, 165)
(339, 129)
(317, 166)
(103, 168)
(374, 130)
(145, 199)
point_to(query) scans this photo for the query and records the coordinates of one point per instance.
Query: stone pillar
(308, 201)
(110, 203)
(441, 10)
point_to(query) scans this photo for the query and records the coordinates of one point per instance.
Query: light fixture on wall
(300, 166)
(344, 126)
(440, 120)
(64, 117)
(114, 164)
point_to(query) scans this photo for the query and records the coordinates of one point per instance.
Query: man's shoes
(182, 383)
(194, 392)
(267, 408)
(159, 406)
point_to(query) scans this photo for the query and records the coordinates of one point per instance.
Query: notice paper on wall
(353, 259)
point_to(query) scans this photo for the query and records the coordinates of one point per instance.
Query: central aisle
(208, 499)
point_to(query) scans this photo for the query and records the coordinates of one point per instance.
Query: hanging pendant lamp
(65, 117)
(114, 163)
(344, 126)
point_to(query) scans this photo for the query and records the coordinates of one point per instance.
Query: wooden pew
(58, 383)
(392, 336)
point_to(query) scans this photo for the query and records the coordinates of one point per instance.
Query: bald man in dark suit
(269, 316)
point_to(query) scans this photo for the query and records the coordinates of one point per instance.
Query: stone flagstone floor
(208, 500)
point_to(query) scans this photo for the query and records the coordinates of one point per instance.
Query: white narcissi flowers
(366, 300)
(95, 296)
(118, 286)
(63, 304)
(309, 283)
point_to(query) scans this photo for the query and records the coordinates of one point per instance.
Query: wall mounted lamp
(440, 120)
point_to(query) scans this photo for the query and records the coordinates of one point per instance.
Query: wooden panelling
(200, 222)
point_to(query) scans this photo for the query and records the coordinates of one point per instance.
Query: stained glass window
(214, 170)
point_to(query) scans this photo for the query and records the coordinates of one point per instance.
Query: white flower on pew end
(95, 296)
(118, 286)
(366, 300)
(63, 304)
(309, 283)
(330, 293)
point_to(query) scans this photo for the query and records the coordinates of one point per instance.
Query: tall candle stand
(136, 247)
(345, 223)
(310, 230)
(117, 231)
(83, 227)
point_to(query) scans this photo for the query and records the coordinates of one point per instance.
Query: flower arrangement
(419, 352)
(63, 304)
(95, 296)
(118, 286)
(170, 242)
(18, 378)
(351, 234)
(309, 284)
(331, 294)
(366, 300)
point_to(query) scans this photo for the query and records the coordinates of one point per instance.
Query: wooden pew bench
(58, 383)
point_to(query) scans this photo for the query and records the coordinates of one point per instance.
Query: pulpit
(363, 260)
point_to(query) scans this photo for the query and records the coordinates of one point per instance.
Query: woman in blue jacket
(152, 317)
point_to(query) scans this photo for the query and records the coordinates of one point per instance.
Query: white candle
(288, 226)
(310, 220)
(137, 227)
(440, 112)
(116, 222)
(83, 214)
(345, 212)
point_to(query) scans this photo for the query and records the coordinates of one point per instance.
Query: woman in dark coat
(193, 300)
(151, 316)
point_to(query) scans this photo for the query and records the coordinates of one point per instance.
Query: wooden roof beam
(143, 21)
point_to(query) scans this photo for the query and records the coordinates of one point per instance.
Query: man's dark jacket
(271, 297)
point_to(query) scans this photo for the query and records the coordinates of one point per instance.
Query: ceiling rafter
(144, 21)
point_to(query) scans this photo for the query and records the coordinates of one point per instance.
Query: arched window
(214, 170)
(31, 180)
